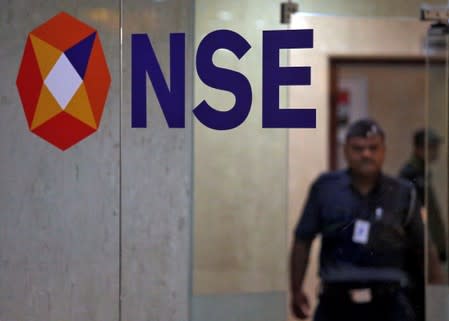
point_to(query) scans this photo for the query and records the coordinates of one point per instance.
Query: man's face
(365, 155)
(434, 151)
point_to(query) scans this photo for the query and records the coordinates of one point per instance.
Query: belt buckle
(360, 296)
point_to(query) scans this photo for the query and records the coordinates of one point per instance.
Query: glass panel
(436, 151)
(436, 156)
(240, 184)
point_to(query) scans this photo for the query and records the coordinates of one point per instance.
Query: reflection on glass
(435, 153)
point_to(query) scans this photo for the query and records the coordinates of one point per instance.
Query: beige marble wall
(61, 212)
(59, 244)
(240, 178)
(366, 8)
(156, 177)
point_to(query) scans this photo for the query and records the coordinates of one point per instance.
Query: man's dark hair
(364, 128)
(420, 136)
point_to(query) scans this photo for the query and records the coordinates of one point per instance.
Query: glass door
(436, 169)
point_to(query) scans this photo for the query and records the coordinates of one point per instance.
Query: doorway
(365, 56)
(391, 91)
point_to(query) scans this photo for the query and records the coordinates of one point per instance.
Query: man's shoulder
(397, 182)
(331, 177)
(410, 170)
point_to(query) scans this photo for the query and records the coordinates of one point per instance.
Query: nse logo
(64, 79)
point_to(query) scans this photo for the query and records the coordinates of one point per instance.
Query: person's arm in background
(435, 270)
(299, 260)
(416, 235)
(435, 225)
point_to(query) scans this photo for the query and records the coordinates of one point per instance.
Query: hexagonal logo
(63, 81)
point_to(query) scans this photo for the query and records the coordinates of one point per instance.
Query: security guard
(372, 237)
(426, 141)
(415, 171)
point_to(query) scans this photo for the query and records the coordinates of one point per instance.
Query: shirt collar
(347, 181)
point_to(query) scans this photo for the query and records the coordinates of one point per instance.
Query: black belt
(344, 290)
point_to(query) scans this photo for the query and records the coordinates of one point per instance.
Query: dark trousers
(386, 305)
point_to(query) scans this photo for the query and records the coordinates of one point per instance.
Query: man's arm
(415, 229)
(299, 260)
(435, 269)
(308, 227)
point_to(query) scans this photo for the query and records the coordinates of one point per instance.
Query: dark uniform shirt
(396, 238)
(414, 171)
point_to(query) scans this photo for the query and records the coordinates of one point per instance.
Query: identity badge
(361, 232)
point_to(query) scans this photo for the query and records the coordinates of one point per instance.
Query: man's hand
(300, 305)
(298, 264)
(435, 271)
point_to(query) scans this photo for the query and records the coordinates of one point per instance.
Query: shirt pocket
(388, 233)
(338, 221)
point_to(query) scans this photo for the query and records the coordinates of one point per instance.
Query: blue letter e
(275, 76)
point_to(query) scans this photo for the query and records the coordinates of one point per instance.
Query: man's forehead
(371, 139)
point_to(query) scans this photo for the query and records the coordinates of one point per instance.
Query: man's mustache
(367, 161)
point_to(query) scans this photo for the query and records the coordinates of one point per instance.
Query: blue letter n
(144, 62)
